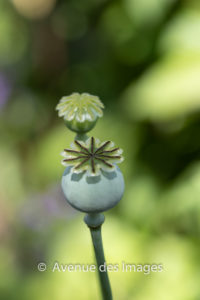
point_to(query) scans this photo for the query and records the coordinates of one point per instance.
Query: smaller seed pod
(92, 182)
(80, 111)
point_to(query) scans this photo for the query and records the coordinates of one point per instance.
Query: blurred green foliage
(142, 58)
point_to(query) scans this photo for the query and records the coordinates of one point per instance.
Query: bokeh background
(142, 58)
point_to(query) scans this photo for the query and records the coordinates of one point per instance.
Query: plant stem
(81, 137)
(94, 222)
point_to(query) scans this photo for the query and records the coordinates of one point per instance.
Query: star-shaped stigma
(92, 156)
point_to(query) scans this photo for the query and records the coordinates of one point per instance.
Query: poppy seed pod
(80, 111)
(93, 194)
(92, 182)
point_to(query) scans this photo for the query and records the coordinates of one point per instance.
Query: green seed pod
(80, 111)
(92, 182)
(93, 194)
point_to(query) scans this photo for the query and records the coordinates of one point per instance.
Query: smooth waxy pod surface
(95, 193)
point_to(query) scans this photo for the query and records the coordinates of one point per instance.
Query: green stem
(81, 137)
(94, 222)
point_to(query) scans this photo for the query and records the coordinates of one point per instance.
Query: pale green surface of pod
(80, 127)
(95, 193)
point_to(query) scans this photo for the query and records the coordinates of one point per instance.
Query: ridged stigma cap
(80, 111)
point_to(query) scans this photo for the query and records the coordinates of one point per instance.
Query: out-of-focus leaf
(179, 208)
(182, 32)
(178, 281)
(140, 199)
(147, 13)
(129, 44)
(168, 91)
